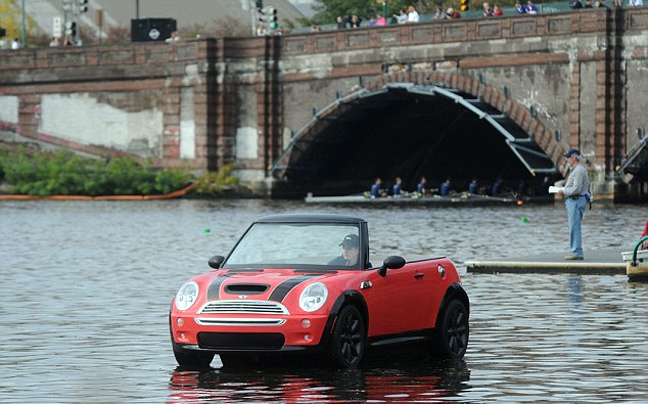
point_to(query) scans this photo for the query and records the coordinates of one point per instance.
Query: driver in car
(350, 251)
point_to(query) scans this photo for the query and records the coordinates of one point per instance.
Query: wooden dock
(603, 262)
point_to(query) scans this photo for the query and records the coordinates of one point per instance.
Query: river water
(87, 288)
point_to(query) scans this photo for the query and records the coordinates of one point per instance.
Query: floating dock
(604, 262)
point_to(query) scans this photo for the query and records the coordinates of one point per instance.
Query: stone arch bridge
(328, 112)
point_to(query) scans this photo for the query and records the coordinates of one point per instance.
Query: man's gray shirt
(578, 182)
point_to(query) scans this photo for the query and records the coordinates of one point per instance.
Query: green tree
(11, 19)
(329, 10)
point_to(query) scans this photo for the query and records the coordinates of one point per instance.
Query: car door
(400, 301)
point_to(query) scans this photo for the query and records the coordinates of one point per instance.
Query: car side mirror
(216, 261)
(392, 262)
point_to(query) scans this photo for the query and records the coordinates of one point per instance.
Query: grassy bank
(37, 173)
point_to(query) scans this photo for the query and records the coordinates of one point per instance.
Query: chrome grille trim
(244, 307)
(240, 321)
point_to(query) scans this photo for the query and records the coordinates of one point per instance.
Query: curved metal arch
(521, 144)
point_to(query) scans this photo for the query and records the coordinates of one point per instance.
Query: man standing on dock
(576, 193)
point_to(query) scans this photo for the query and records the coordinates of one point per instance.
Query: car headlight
(186, 296)
(313, 297)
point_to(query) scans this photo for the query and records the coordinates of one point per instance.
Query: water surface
(87, 288)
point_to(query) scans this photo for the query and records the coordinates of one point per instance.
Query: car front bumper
(249, 334)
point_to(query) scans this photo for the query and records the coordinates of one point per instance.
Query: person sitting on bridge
(531, 8)
(575, 4)
(519, 8)
(175, 37)
(440, 14)
(453, 14)
(401, 18)
(355, 21)
(69, 40)
(340, 22)
(412, 15)
(488, 10)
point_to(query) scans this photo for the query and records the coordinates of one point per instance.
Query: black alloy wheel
(453, 331)
(349, 338)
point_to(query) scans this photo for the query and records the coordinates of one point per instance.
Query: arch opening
(410, 131)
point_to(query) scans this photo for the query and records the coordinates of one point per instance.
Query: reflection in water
(90, 284)
(407, 382)
(575, 288)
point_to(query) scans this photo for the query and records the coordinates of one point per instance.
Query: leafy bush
(213, 183)
(45, 174)
(3, 155)
(64, 173)
(126, 177)
(170, 180)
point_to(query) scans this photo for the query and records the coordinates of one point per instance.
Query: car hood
(262, 284)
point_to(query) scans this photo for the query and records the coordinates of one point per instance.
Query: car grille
(243, 307)
(239, 321)
(241, 341)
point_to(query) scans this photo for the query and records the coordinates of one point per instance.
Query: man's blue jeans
(575, 211)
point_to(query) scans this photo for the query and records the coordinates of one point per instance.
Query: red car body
(257, 308)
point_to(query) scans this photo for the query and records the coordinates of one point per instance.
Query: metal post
(75, 11)
(100, 23)
(24, 25)
(137, 9)
(253, 15)
(385, 9)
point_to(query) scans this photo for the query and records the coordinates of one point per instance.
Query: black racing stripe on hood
(284, 287)
(213, 292)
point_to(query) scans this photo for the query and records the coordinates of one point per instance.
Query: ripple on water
(88, 287)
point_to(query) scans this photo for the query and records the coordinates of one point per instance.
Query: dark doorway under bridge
(409, 131)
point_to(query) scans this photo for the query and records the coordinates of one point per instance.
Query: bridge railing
(558, 23)
(164, 59)
(99, 61)
(475, 13)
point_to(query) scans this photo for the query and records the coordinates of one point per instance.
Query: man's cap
(572, 152)
(351, 240)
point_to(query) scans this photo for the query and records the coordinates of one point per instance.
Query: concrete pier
(606, 262)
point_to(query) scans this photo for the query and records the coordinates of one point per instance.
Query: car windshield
(294, 245)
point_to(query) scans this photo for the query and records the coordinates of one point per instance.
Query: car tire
(452, 331)
(349, 338)
(191, 358)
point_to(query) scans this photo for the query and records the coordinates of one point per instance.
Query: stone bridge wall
(573, 79)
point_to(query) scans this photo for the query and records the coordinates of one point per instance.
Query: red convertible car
(305, 283)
